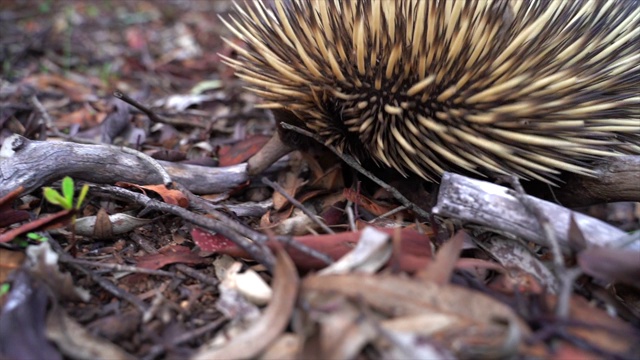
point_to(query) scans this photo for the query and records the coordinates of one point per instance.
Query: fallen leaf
(104, 226)
(372, 251)
(75, 341)
(270, 325)
(169, 255)
(208, 242)
(366, 203)
(476, 323)
(241, 151)
(413, 253)
(9, 261)
(170, 196)
(440, 270)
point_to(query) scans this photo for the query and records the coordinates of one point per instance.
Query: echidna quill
(526, 88)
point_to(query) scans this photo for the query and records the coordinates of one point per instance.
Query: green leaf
(68, 191)
(36, 237)
(82, 196)
(54, 197)
(4, 288)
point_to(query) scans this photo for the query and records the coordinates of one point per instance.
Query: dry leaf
(476, 323)
(9, 261)
(270, 325)
(440, 270)
(75, 341)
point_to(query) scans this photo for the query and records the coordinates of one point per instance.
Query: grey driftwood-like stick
(32, 164)
(493, 206)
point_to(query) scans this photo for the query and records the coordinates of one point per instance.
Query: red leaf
(169, 255)
(241, 151)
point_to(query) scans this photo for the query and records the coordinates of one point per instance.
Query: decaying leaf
(469, 322)
(75, 341)
(440, 270)
(43, 264)
(412, 253)
(170, 196)
(247, 283)
(104, 226)
(169, 255)
(270, 325)
(341, 332)
(9, 261)
(370, 254)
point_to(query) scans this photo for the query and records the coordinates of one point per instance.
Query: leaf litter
(199, 279)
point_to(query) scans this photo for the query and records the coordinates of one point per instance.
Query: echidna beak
(273, 150)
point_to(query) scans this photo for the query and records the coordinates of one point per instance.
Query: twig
(189, 271)
(354, 164)
(202, 205)
(290, 241)
(104, 283)
(118, 267)
(389, 213)
(182, 121)
(350, 215)
(297, 204)
(129, 100)
(259, 252)
(565, 277)
(158, 349)
(197, 203)
(50, 124)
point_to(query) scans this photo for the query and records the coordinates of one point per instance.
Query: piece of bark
(616, 178)
(492, 205)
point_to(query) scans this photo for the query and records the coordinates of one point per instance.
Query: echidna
(529, 88)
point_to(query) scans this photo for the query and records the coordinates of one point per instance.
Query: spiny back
(528, 88)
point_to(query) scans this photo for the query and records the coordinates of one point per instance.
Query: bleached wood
(493, 206)
(32, 164)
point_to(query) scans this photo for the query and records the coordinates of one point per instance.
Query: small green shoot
(4, 289)
(65, 200)
(36, 237)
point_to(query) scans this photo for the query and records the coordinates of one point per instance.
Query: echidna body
(529, 88)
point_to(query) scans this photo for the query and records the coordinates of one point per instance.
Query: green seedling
(36, 237)
(23, 243)
(4, 289)
(65, 200)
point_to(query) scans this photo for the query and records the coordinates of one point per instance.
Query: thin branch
(297, 204)
(259, 252)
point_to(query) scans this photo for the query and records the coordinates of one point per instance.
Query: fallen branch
(32, 164)
(493, 206)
